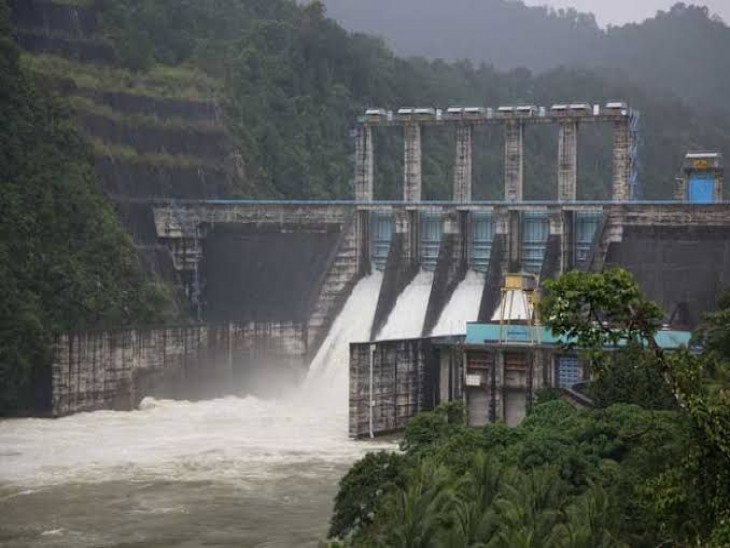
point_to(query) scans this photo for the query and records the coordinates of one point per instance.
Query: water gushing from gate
(463, 306)
(406, 319)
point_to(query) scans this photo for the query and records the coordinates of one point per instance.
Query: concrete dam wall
(273, 263)
(117, 369)
(283, 261)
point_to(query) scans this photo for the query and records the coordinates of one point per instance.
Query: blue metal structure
(701, 188)
(431, 231)
(535, 233)
(483, 334)
(482, 235)
(381, 232)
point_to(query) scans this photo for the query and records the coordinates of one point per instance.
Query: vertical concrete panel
(568, 161)
(412, 183)
(364, 164)
(514, 161)
(621, 161)
(463, 169)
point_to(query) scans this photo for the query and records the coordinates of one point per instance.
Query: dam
(296, 303)
(267, 280)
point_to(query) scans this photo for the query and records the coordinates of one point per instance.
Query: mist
(621, 12)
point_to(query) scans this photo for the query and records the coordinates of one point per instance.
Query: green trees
(691, 499)
(64, 261)
(294, 82)
(622, 474)
(562, 478)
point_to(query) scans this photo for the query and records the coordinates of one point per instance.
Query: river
(239, 471)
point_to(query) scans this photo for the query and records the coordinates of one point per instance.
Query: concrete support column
(514, 241)
(412, 181)
(621, 161)
(364, 252)
(719, 183)
(364, 164)
(567, 255)
(513, 161)
(464, 166)
(568, 161)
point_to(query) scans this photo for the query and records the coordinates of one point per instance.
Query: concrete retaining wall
(390, 383)
(116, 369)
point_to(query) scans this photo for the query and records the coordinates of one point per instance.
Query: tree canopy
(295, 81)
(65, 263)
(654, 474)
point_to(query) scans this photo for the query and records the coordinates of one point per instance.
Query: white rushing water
(463, 306)
(296, 446)
(406, 319)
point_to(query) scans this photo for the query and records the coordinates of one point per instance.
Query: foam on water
(463, 306)
(406, 319)
(219, 440)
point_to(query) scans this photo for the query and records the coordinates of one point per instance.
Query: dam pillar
(363, 243)
(364, 164)
(514, 240)
(412, 180)
(464, 167)
(568, 161)
(621, 161)
(401, 267)
(451, 266)
(513, 161)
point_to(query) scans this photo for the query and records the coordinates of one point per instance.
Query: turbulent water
(228, 472)
(406, 319)
(463, 306)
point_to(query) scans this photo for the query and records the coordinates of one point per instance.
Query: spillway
(463, 306)
(327, 380)
(234, 471)
(406, 319)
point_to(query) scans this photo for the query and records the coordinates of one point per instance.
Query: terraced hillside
(155, 134)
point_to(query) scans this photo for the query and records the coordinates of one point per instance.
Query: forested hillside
(65, 263)
(681, 52)
(292, 81)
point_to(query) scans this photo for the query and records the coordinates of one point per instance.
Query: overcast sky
(617, 12)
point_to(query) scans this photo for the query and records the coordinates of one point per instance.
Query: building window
(570, 371)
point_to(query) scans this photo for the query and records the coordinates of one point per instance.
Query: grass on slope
(181, 82)
(129, 155)
(84, 105)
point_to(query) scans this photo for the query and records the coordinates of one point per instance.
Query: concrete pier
(463, 170)
(402, 266)
(514, 161)
(412, 179)
(451, 267)
(364, 164)
(621, 161)
(568, 161)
